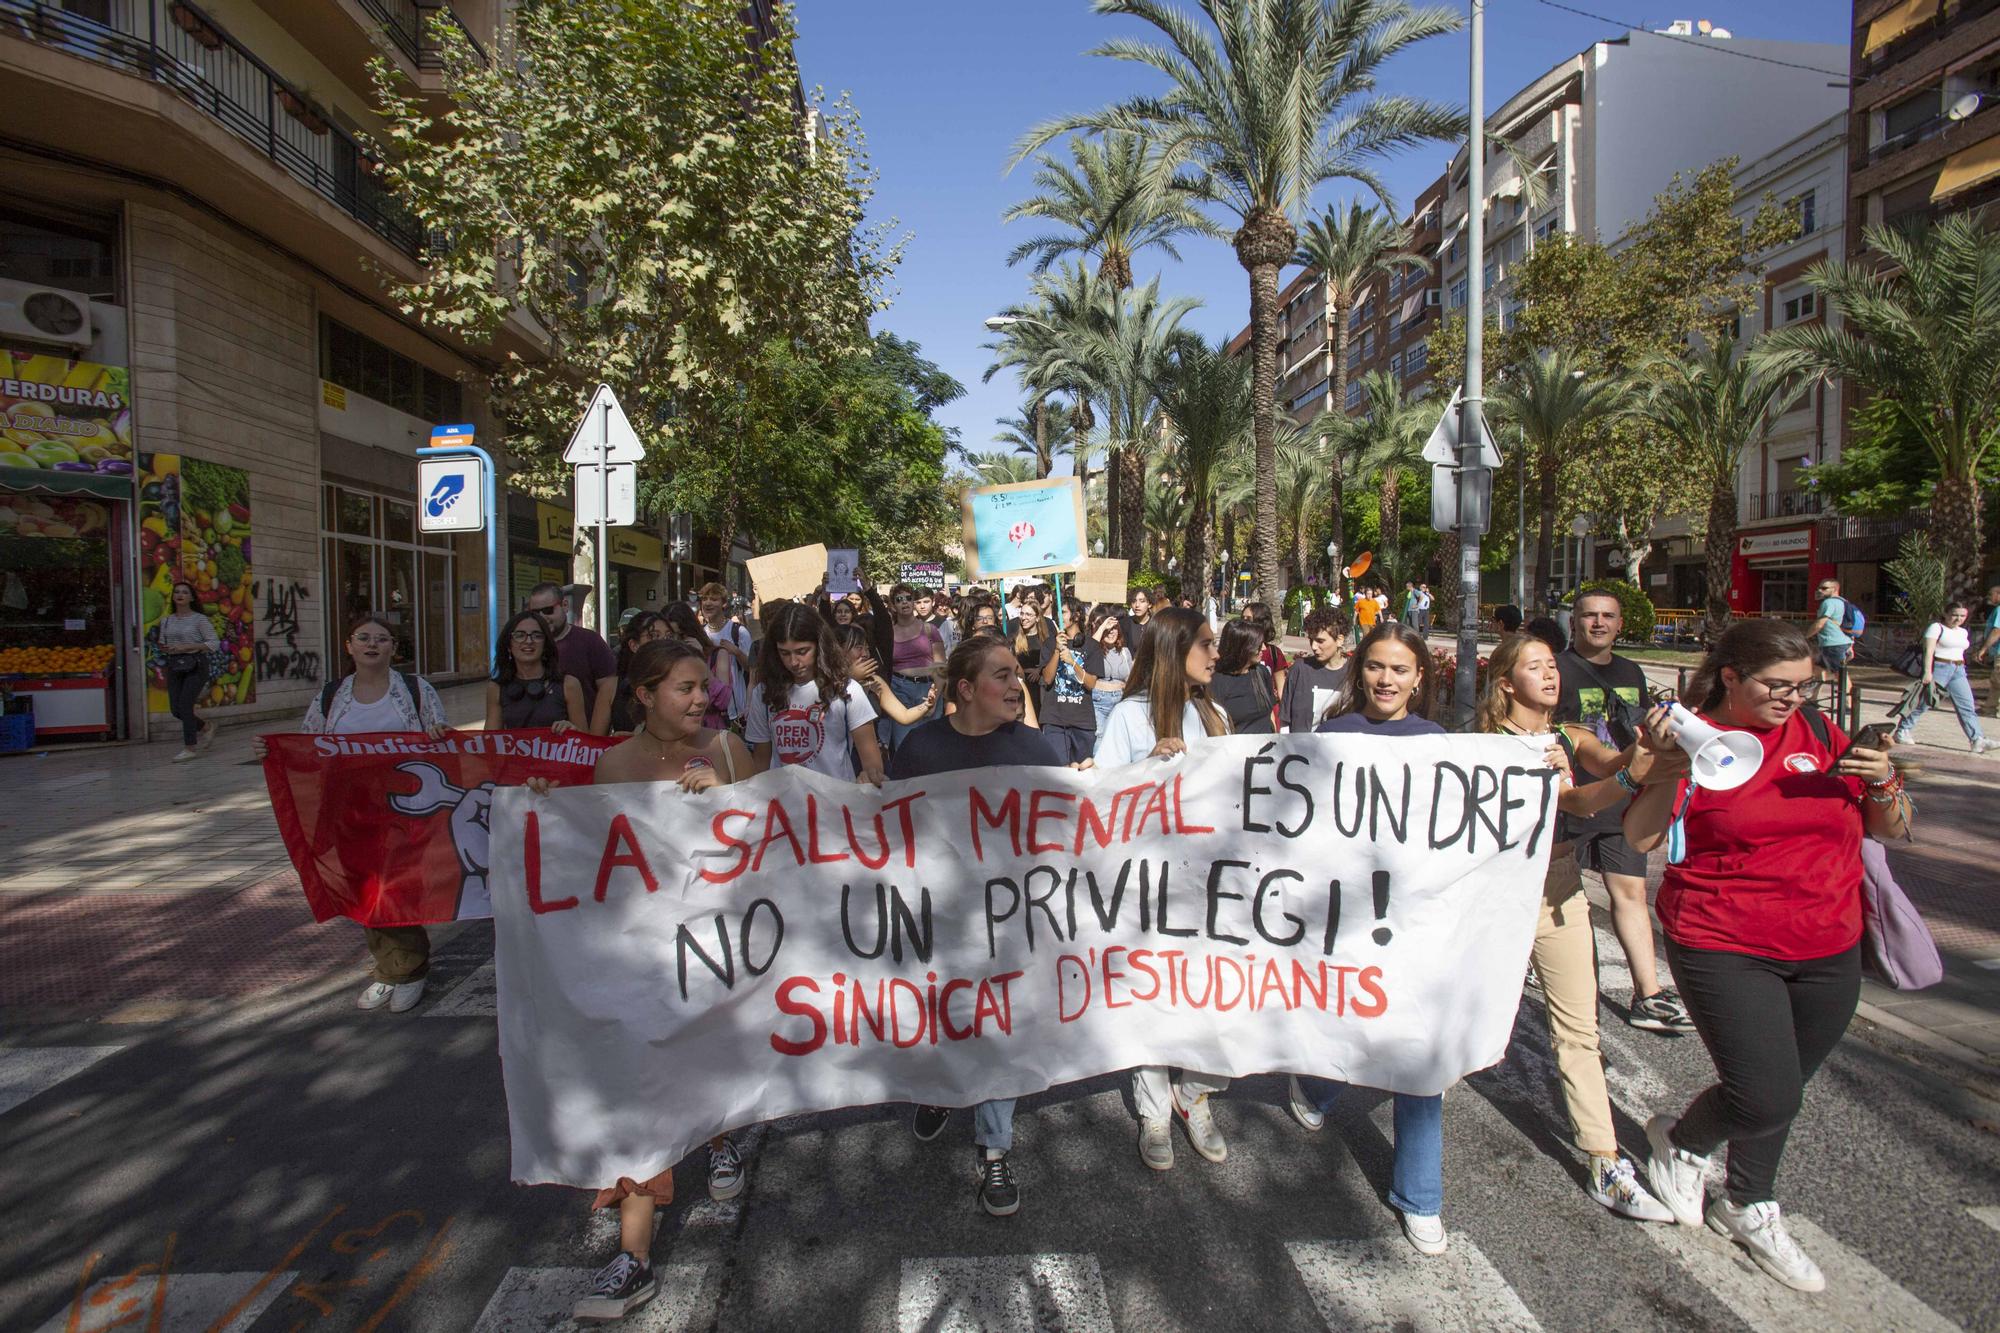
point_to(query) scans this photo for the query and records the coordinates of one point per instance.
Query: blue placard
(442, 436)
(1026, 529)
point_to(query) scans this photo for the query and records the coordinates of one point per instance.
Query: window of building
(71, 256)
(1458, 289)
(1353, 355)
(1396, 364)
(1492, 272)
(1797, 303)
(1316, 392)
(1909, 118)
(1368, 344)
(1510, 315)
(1804, 210)
(377, 562)
(1395, 283)
(1457, 251)
(1395, 324)
(357, 362)
(1353, 394)
(1417, 359)
(1549, 226)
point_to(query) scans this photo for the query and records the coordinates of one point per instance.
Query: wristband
(1623, 777)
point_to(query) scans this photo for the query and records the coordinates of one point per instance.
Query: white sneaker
(1199, 1122)
(1676, 1175)
(405, 996)
(725, 1171)
(1615, 1184)
(1982, 745)
(375, 996)
(1760, 1230)
(1426, 1232)
(206, 736)
(1156, 1143)
(184, 756)
(1301, 1106)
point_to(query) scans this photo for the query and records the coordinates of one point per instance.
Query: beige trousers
(1565, 956)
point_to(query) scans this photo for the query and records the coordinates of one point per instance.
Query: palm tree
(1266, 101)
(1713, 405)
(1038, 432)
(1388, 439)
(1348, 248)
(1925, 334)
(1555, 406)
(1204, 393)
(1112, 204)
(1127, 352)
(999, 468)
(1046, 341)
(1302, 484)
(1165, 515)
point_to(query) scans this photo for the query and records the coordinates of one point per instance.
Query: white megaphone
(1722, 760)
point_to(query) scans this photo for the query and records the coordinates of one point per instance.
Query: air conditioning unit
(1433, 297)
(45, 315)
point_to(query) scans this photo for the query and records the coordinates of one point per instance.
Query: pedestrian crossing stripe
(184, 1302)
(1002, 1294)
(478, 996)
(1989, 1214)
(538, 1300)
(1383, 1285)
(28, 1071)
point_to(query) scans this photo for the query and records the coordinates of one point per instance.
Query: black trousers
(184, 689)
(1768, 1024)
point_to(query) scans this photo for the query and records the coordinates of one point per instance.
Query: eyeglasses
(528, 636)
(372, 641)
(1807, 690)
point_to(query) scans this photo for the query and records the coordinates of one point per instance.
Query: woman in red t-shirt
(1761, 908)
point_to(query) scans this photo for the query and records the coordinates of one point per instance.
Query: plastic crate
(17, 732)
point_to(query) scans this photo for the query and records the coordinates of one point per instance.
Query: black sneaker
(998, 1194)
(621, 1286)
(1662, 1011)
(929, 1121)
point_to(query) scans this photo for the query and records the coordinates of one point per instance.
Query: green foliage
(1638, 607)
(631, 196)
(1884, 467)
(1921, 569)
(1303, 597)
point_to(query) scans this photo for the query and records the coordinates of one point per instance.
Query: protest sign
(787, 574)
(672, 966)
(921, 575)
(1025, 527)
(841, 576)
(1102, 580)
(390, 829)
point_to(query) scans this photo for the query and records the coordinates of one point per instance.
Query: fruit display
(194, 525)
(59, 415)
(55, 661)
(52, 516)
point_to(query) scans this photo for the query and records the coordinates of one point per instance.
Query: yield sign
(604, 434)
(1442, 447)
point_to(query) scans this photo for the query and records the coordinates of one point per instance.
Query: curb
(1977, 1061)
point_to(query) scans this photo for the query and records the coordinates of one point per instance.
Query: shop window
(72, 256)
(399, 521)
(354, 514)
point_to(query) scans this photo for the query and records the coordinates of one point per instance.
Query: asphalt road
(300, 1165)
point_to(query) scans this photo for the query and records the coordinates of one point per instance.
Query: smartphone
(1874, 736)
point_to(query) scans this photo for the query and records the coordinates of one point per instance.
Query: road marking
(194, 1301)
(1990, 964)
(1987, 1213)
(1381, 1283)
(538, 1300)
(1858, 1297)
(478, 996)
(1003, 1293)
(28, 1071)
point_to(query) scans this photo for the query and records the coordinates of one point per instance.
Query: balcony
(1782, 504)
(177, 45)
(406, 24)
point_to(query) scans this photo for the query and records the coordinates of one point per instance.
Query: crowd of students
(865, 689)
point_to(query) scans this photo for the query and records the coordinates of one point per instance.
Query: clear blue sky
(945, 87)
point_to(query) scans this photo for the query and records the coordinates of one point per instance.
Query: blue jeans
(1104, 701)
(908, 691)
(1416, 1182)
(1951, 678)
(993, 1125)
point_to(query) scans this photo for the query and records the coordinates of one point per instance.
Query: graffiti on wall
(278, 655)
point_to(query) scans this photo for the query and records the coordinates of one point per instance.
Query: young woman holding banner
(1166, 711)
(672, 744)
(1390, 695)
(375, 697)
(1761, 909)
(804, 709)
(1523, 687)
(983, 680)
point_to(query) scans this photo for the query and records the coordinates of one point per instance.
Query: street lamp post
(1332, 574)
(1471, 431)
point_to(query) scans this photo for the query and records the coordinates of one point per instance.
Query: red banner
(389, 829)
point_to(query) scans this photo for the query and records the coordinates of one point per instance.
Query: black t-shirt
(939, 747)
(1065, 702)
(1359, 723)
(1246, 700)
(1131, 629)
(1583, 700)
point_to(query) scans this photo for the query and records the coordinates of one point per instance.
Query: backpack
(1852, 622)
(332, 688)
(1911, 660)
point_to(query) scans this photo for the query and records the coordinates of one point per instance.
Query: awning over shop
(1968, 167)
(104, 486)
(1896, 22)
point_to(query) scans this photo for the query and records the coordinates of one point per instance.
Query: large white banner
(672, 966)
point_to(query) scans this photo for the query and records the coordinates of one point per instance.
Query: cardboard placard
(840, 566)
(787, 574)
(1025, 527)
(1102, 580)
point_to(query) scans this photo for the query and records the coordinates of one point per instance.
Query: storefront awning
(1967, 168)
(1896, 22)
(104, 486)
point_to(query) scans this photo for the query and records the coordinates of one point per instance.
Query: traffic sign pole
(614, 442)
(1472, 429)
(604, 527)
(490, 487)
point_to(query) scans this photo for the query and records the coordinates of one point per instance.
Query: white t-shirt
(1951, 642)
(808, 732)
(1128, 736)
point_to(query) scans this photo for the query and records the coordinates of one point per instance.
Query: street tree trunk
(1955, 518)
(1547, 462)
(1265, 242)
(1198, 554)
(1132, 500)
(1717, 547)
(1336, 401)
(1044, 462)
(1390, 515)
(1113, 496)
